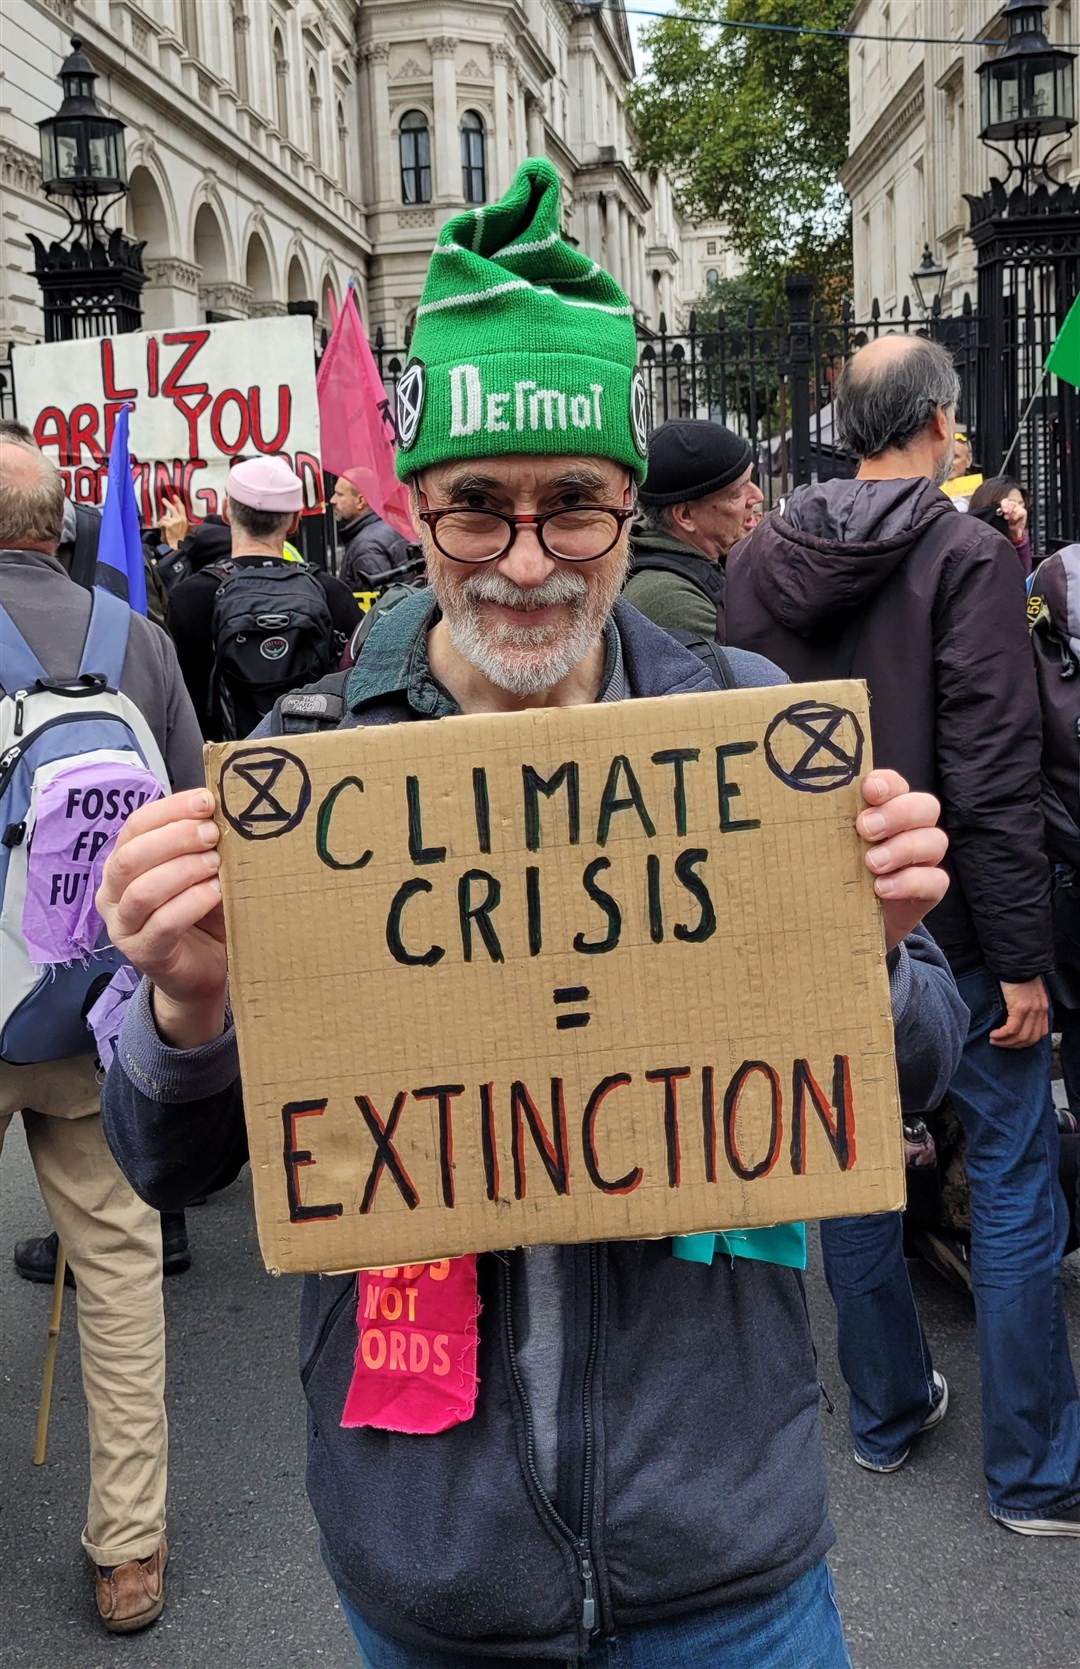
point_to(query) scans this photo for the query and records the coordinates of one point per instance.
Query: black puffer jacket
(884, 580)
(370, 549)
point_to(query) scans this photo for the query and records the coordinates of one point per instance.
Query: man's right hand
(1027, 1015)
(160, 900)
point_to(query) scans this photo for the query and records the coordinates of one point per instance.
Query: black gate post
(799, 287)
(1027, 244)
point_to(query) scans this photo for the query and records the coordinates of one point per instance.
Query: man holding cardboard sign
(645, 978)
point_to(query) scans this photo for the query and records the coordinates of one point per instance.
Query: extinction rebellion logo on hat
(639, 413)
(410, 402)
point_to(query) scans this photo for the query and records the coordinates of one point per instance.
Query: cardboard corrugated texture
(603, 972)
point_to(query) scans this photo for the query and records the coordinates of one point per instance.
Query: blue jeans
(883, 1353)
(1030, 1407)
(799, 1628)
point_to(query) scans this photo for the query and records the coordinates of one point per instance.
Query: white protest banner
(198, 396)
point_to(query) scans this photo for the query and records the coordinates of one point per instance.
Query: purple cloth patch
(107, 1014)
(80, 812)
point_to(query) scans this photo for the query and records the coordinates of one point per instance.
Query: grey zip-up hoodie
(688, 1464)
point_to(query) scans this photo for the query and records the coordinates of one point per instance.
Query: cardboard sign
(602, 972)
(198, 395)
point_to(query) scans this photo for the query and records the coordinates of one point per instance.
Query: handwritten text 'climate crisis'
(542, 1153)
(479, 891)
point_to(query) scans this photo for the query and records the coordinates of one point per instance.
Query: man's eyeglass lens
(570, 535)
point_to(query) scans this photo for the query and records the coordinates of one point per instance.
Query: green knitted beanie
(522, 343)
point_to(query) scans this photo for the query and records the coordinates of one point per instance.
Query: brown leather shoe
(132, 1596)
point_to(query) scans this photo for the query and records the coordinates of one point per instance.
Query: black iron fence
(772, 380)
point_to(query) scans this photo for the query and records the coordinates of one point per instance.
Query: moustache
(496, 588)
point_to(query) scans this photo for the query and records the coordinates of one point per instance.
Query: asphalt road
(924, 1578)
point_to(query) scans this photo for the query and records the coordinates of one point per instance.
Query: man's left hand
(906, 849)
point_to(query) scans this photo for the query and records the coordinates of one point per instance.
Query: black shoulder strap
(707, 576)
(320, 706)
(221, 570)
(708, 650)
(84, 550)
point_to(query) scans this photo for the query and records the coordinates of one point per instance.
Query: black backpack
(272, 632)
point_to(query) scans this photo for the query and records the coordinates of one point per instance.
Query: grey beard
(524, 660)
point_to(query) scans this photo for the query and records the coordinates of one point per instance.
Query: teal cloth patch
(785, 1244)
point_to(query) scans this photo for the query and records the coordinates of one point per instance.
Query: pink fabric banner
(355, 423)
(416, 1356)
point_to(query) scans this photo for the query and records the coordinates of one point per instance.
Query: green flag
(1063, 360)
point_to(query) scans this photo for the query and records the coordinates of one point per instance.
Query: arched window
(414, 141)
(712, 280)
(281, 83)
(473, 170)
(315, 106)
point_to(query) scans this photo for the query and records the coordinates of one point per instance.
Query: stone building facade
(280, 147)
(914, 145)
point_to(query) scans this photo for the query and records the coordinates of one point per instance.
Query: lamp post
(928, 282)
(91, 279)
(1026, 232)
(1027, 93)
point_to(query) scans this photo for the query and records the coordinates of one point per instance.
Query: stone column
(593, 231)
(590, 113)
(667, 300)
(625, 262)
(639, 265)
(613, 258)
(445, 141)
(378, 57)
(534, 111)
(172, 295)
(501, 58)
(521, 139)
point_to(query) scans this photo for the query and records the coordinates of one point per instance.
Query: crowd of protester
(975, 707)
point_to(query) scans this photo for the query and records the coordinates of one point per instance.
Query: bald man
(881, 578)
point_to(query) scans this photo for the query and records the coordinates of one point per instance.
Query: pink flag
(356, 427)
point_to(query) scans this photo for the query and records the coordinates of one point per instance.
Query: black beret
(690, 459)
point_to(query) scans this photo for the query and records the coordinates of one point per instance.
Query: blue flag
(120, 550)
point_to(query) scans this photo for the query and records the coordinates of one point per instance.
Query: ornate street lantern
(1027, 93)
(928, 282)
(82, 149)
(92, 278)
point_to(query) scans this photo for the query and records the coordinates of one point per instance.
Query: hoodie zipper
(580, 1543)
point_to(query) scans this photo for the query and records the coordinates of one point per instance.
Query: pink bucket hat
(266, 484)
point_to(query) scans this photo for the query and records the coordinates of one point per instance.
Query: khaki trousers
(113, 1244)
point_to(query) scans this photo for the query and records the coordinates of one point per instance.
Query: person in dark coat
(1054, 618)
(881, 578)
(699, 499)
(256, 536)
(370, 548)
(640, 1469)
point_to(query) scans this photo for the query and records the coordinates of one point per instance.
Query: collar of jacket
(346, 530)
(394, 661)
(650, 541)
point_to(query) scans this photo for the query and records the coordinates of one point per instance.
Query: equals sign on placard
(571, 994)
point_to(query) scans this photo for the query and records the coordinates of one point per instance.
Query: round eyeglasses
(581, 534)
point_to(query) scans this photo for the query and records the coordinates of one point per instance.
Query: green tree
(753, 126)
